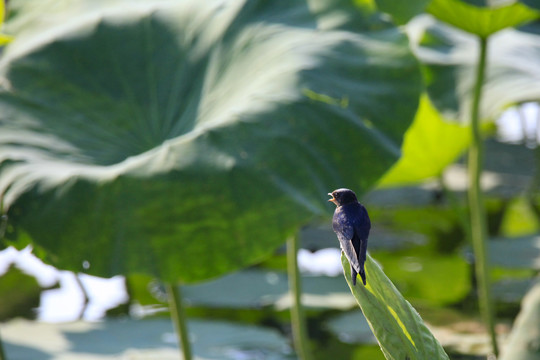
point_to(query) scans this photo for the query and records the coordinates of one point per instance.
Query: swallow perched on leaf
(351, 224)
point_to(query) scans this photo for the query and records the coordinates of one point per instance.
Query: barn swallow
(351, 224)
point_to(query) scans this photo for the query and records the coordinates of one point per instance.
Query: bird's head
(342, 197)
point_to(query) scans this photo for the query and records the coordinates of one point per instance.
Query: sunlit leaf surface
(481, 21)
(188, 139)
(4, 39)
(430, 144)
(519, 219)
(400, 331)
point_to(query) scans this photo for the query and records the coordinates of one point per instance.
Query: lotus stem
(478, 219)
(2, 354)
(298, 321)
(86, 298)
(178, 316)
(3, 225)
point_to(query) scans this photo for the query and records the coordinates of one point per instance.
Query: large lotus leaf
(450, 58)
(481, 20)
(188, 139)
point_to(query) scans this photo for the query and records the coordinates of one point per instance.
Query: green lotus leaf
(449, 57)
(481, 21)
(187, 139)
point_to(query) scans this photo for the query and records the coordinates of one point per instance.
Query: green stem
(3, 225)
(179, 319)
(478, 217)
(298, 321)
(3, 218)
(2, 354)
(86, 298)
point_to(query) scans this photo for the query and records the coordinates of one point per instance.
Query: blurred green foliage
(19, 294)
(183, 198)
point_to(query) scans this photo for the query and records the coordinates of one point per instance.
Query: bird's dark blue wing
(362, 225)
(351, 224)
(344, 227)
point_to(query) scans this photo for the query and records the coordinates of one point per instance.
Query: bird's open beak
(333, 199)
